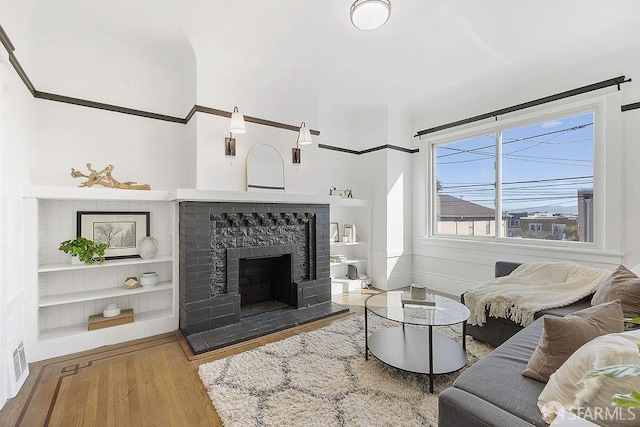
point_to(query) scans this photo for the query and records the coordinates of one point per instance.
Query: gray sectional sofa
(493, 392)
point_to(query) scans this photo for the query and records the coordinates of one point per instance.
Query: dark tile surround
(215, 236)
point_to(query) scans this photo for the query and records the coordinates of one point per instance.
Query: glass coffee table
(416, 349)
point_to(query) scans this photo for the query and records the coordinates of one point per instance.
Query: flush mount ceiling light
(370, 14)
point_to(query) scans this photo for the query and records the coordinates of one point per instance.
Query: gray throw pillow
(622, 285)
(561, 336)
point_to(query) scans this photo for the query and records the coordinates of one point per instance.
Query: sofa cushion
(459, 408)
(567, 309)
(497, 378)
(590, 397)
(623, 285)
(561, 336)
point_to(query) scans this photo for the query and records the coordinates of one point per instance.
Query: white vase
(148, 248)
(149, 279)
(75, 260)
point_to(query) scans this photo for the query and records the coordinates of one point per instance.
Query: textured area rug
(321, 378)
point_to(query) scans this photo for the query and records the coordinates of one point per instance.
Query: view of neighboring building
(585, 215)
(549, 226)
(460, 217)
(456, 216)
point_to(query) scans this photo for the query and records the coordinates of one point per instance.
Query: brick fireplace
(249, 269)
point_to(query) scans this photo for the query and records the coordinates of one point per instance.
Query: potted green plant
(84, 249)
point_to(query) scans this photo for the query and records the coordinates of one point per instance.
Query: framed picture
(334, 232)
(350, 233)
(121, 231)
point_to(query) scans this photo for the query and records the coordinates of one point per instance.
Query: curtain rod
(617, 81)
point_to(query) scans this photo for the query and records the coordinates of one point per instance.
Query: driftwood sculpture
(105, 179)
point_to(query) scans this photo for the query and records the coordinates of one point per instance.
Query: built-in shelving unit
(359, 213)
(61, 296)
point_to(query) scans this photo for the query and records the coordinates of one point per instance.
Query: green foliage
(87, 251)
(614, 371)
(630, 400)
(571, 233)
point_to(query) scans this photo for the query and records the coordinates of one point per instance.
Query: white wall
(216, 171)
(393, 210)
(453, 266)
(142, 150)
(16, 134)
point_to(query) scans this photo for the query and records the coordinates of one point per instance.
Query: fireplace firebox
(265, 285)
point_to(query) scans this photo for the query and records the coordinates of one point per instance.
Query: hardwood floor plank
(148, 382)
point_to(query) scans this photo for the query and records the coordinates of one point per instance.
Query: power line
(531, 159)
(573, 178)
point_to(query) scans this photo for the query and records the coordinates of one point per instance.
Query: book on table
(429, 300)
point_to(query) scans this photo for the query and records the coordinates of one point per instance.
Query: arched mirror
(265, 170)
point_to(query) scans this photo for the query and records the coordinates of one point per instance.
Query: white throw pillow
(591, 399)
(636, 270)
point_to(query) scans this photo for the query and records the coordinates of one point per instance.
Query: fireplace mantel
(194, 195)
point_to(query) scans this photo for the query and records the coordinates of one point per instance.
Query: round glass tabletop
(389, 305)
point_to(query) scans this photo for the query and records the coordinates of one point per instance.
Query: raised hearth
(249, 269)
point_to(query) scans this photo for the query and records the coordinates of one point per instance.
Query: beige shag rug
(321, 378)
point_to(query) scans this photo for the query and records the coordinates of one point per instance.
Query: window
(535, 170)
(535, 227)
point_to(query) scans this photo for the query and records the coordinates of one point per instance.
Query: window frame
(600, 109)
(535, 227)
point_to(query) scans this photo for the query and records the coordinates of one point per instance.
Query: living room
(431, 64)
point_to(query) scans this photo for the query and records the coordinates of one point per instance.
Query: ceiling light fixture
(370, 14)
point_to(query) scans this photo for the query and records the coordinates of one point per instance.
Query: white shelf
(82, 328)
(243, 196)
(61, 296)
(345, 244)
(346, 262)
(47, 268)
(350, 203)
(94, 193)
(68, 298)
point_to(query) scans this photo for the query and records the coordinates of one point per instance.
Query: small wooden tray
(98, 321)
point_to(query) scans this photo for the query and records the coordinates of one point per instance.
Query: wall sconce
(304, 138)
(230, 145)
(304, 135)
(295, 154)
(237, 122)
(236, 126)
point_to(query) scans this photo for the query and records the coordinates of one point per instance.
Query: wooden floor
(148, 382)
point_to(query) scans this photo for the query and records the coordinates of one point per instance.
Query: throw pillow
(591, 399)
(624, 285)
(561, 336)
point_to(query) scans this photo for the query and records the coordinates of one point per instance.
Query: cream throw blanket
(530, 288)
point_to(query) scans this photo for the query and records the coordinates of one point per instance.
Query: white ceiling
(308, 49)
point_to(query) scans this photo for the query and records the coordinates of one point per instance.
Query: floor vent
(20, 369)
